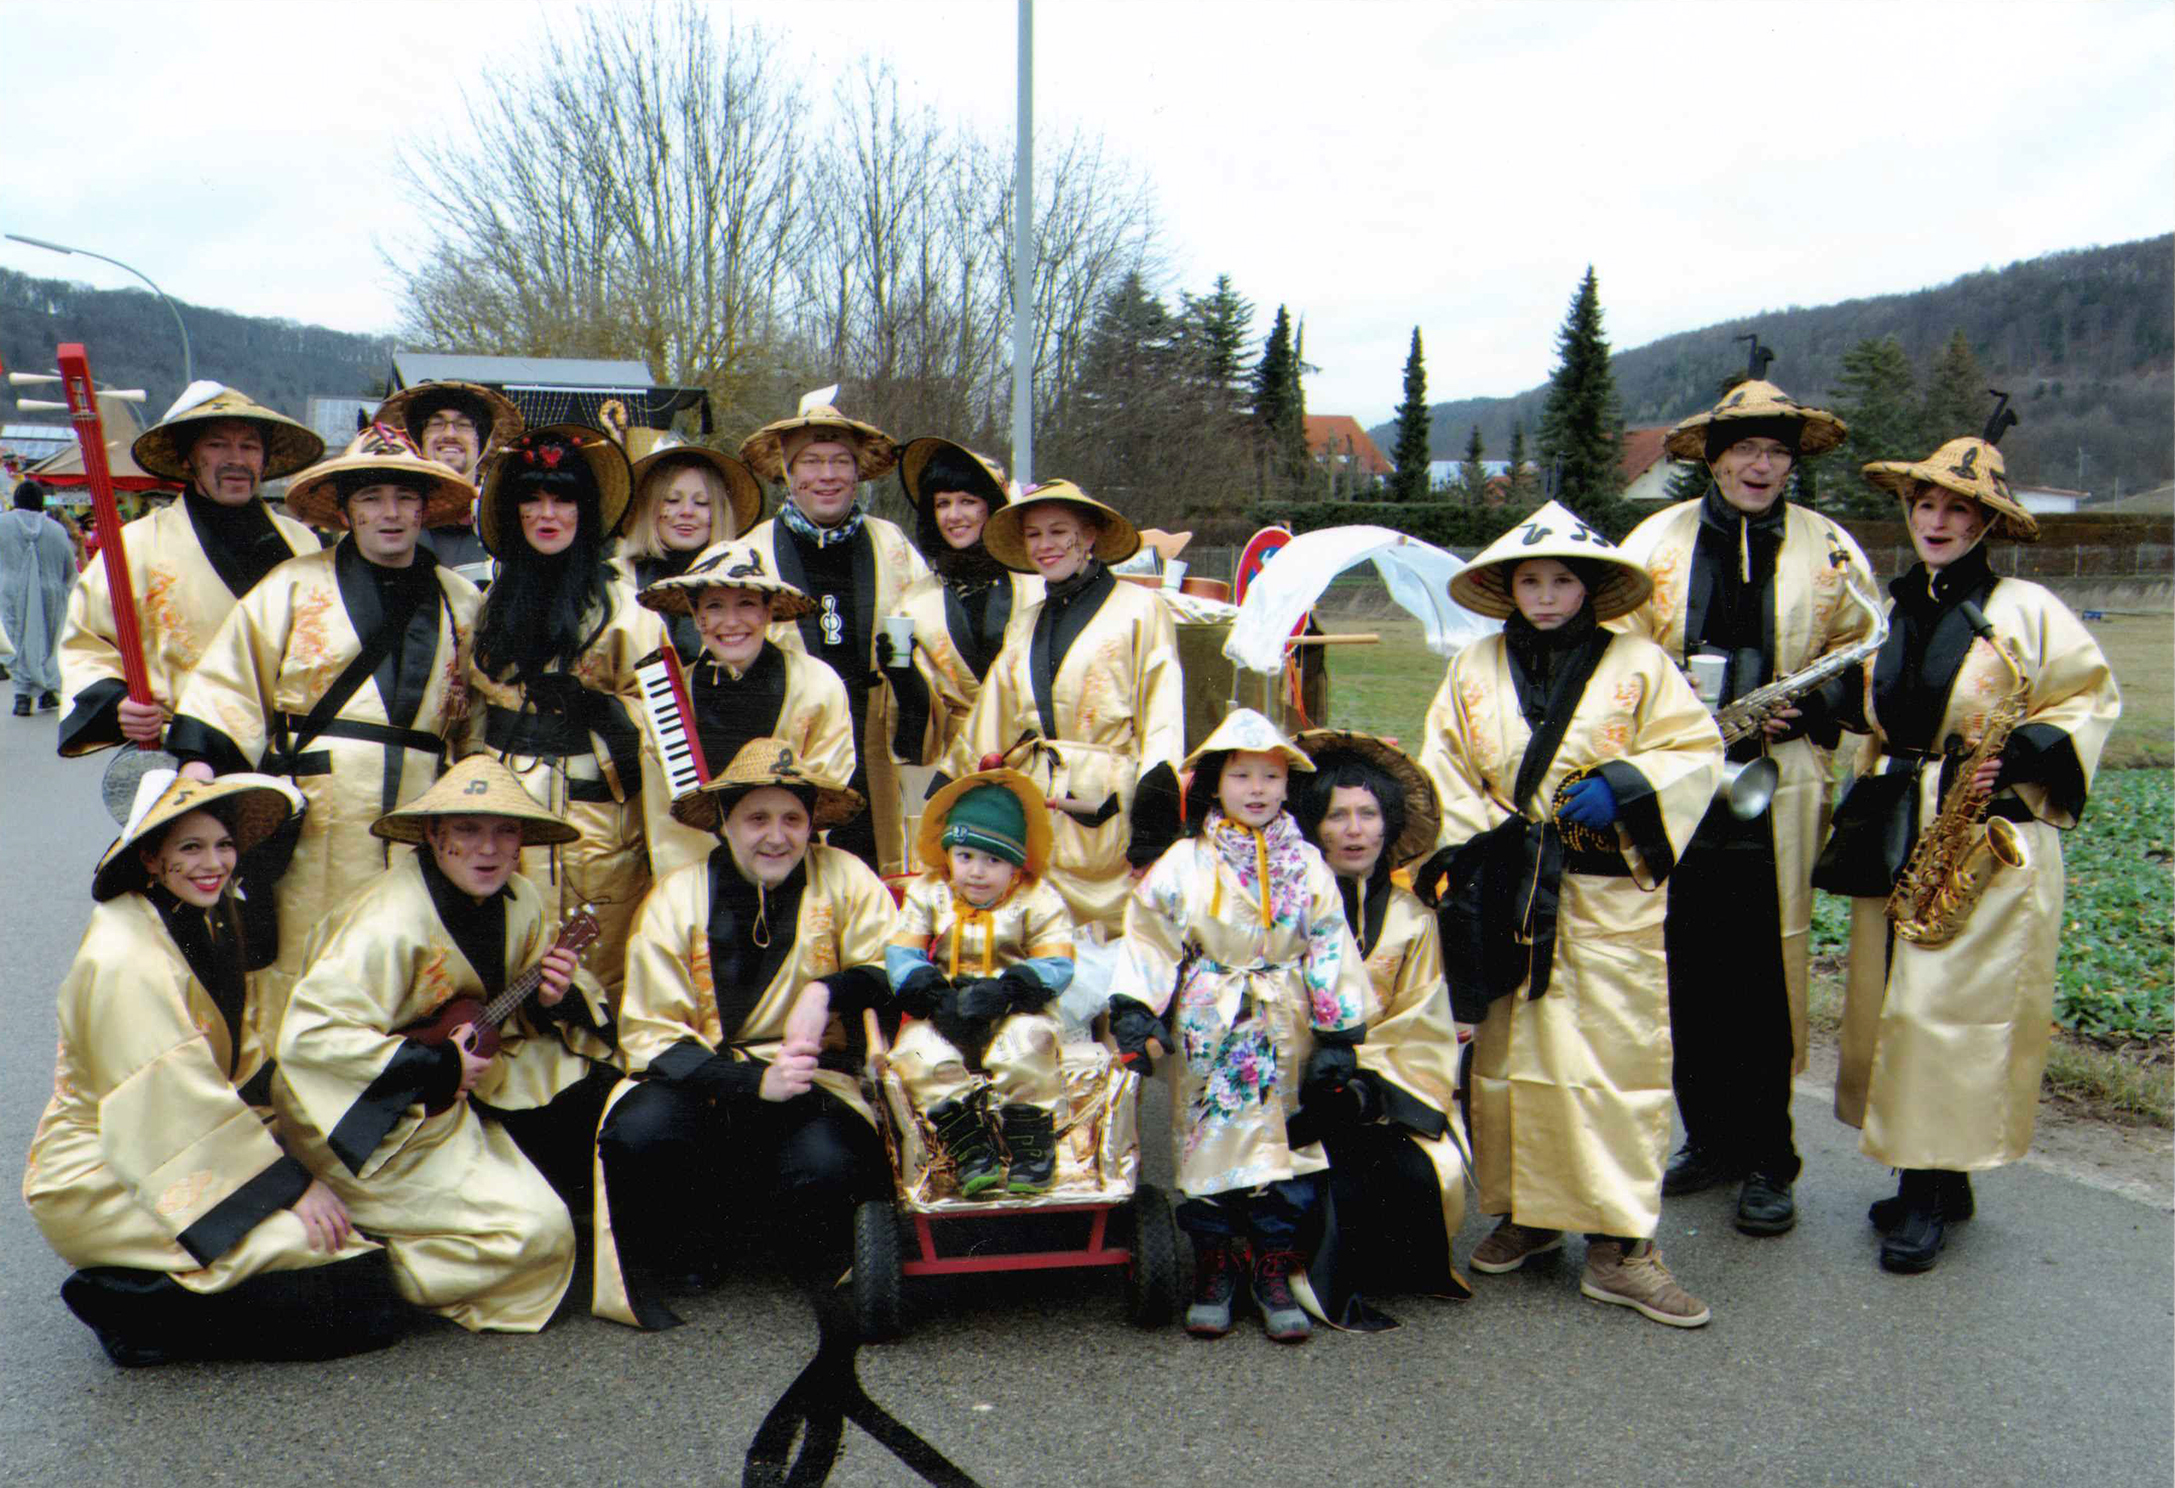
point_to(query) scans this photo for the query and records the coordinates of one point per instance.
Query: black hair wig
(542, 608)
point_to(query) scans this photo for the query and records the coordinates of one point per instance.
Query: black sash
(242, 543)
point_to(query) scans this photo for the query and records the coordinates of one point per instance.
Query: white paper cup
(1707, 668)
(901, 630)
(1174, 573)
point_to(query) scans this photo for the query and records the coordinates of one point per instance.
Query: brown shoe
(1511, 1245)
(1637, 1278)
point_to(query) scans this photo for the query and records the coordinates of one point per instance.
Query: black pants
(1275, 1216)
(561, 1138)
(687, 1176)
(318, 1312)
(1389, 1212)
(1729, 1007)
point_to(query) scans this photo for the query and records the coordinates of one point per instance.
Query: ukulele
(577, 935)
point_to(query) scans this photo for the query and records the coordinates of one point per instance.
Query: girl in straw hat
(686, 498)
(963, 611)
(856, 568)
(1573, 765)
(553, 670)
(1759, 580)
(1086, 697)
(1397, 1149)
(743, 687)
(1944, 1040)
(745, 975)
(1239, 932)
(982, 947)
(188, 563)
(464, 1161)
(158, 1168)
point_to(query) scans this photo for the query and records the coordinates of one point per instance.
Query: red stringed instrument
(578, 933)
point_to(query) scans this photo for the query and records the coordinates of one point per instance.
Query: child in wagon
(983, 945)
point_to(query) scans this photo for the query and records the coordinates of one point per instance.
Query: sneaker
(22, 705)
(1695, 1169)
(964, 1138)
(48, 702)
(1282, 1318)
(1030, 1136)
(1636, 1278)
(1215, 1284)
(1511, 1245)
(1765, 1206)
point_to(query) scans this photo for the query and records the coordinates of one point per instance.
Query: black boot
(1956, 1202)
(1030, 1136)
(1696, 1167)
(1765, 1205)
(1216, 1265)
(1921, 1229)
(964, 1136)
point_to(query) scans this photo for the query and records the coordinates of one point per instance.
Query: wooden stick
(1367, 639)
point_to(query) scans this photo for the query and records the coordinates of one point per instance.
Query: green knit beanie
(989, 819)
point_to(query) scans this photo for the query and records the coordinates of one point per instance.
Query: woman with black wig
(557, 642)
(962, 611)
(1397, 1152)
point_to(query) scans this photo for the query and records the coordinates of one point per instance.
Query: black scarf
(729, 710)
(1729, 603)
(752, 930)
(1367, 902)
(208, 943)
(405, 599)
(1927, 639)
(478, 927)
(242, 542)
(1538, 659)
(976, 614)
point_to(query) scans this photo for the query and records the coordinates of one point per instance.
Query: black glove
(1023, 993)
(1427, 879)
(984, 1000)
(970, 1036)
(917, 996)
(1332, 1091)
(910, 690)
(1131, 1027)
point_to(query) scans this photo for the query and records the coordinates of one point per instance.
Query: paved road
(2039, 1352)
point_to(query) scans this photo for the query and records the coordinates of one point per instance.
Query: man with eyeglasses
(459, 425)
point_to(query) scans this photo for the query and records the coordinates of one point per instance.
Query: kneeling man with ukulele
(438, 1041)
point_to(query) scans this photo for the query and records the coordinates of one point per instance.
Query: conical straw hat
(1423, 808)
(1555, 531)
(929, 841)
(600, 452)
(477, 786)
(1969, 467)
(762, 762)
(649, 448)
(874, 450)
(915, 458)
(382, 450)
(410, 408)
(288, 446)
(252, 806)
(1818, 430)
(727, 565)
(1243, 728)
(1119, 541)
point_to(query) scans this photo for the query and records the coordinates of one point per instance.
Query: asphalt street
(2041, 1351)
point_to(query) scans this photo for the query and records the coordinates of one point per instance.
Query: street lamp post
(188, 366)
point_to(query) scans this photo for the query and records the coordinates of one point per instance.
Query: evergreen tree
(1410, 481)
(1955, 395)
(1295, 459)
(1875, 397)
(1215, 327)
(1473, 472)
(1581, 428)
(1525, 482)
(1273, 378)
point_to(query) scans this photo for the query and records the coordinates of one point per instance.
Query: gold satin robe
(607, 867)
(475, 1232)
(278, 652)
(1119, 703)
(1571, 1099)
(180, 604)
(1943, 1046)
(898, 568)
(964, 943)
(148, 1132)
(811, 717)
(1812, 617)
(1236, 1077)
(1412, 1041)
(846, 918)
(952, 685)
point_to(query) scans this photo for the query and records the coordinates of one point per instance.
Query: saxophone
(1958, 855)
(1748, 714)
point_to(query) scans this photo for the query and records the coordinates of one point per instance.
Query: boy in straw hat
(983, 945)
(448, 1152)
(340, 671)
(1751, 576)
(1945, 1033)
(747, 976)
(1573, 765)
(458, 424)
(158, 1170)
(1239, 932)
(188, 564)
(856, 568)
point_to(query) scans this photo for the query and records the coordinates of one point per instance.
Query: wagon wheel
(878, 1304)
(1151, 1278)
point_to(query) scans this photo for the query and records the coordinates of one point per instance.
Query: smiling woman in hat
(553, 668)
(1573, 765)
(743, 686)
(686, 498)
(747, 975)
(1086, 697)
(188, 563)
(961, 612)
(1951, 992)
(158, 1168)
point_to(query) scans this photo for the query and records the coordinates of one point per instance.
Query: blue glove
(1590, 804)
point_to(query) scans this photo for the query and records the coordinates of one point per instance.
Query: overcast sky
(1371, 164)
